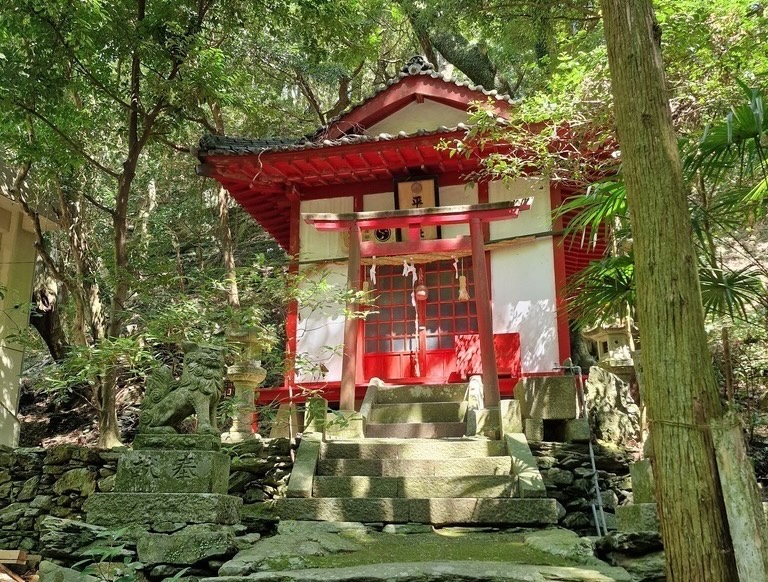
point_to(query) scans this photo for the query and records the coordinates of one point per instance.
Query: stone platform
(174, 488)
(158, 509)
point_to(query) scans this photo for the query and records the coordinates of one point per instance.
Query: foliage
(110, 560)
(726, 167)
(748, 351)
(140, 253)
(604, 291)
(98, 102)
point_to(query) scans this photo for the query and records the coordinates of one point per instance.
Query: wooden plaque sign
(421, 193)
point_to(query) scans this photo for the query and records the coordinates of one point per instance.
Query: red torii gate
(414, 220)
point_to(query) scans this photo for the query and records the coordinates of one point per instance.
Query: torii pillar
(349, 353)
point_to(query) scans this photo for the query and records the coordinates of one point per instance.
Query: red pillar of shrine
(484, 315)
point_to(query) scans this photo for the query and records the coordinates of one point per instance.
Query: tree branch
(173, 146)
(98, 204)
(68, 140)
(310, 95)
(79, 64)
(343, 101)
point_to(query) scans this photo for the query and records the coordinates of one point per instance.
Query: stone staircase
(415, 465)
(416, 411)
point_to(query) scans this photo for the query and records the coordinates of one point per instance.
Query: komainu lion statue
(167, 401)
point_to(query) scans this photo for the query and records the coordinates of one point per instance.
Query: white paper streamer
(409, 269)
(372, 273)
(456, 266)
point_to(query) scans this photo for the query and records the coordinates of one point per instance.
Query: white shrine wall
(523, 275)
(428, 115)
(320, 329)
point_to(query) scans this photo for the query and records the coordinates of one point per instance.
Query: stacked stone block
(548, 406)
(42, 492)
(35, 483)
(640, 515)
(567, 475)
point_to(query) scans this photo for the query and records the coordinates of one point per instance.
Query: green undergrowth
(384, 548)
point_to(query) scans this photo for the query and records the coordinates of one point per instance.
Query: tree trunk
(109, 427)
(681, 393)
(225, 232)
(469, 58)
(47, 321)
(109, 430)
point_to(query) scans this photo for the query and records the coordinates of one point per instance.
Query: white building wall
(524, 302)
(316, 245)
(320, 330)
(523, 275)
(537, 219)
(455, 196)
(428, 115)
(17, 265)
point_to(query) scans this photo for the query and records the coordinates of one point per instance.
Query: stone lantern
(246, 375)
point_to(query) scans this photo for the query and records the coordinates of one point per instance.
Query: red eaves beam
(416, 218)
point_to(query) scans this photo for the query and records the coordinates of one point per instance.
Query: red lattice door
(407, 342)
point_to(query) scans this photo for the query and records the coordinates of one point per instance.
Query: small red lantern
(421, 292)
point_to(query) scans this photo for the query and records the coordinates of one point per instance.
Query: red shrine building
(465, 277)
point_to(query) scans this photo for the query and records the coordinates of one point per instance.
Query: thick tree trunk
(109, 427)
(47, 321)
(681, 393)
(468, 57)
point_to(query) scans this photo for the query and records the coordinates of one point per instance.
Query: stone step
(418, 412)
(496, 486)
(432, 449)
(443, 571)
(410, 430)
(418, 393)
(501, 465)
(436, 511)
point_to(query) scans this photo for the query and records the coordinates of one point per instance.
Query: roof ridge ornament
(418, 64)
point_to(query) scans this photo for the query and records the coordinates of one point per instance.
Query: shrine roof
(218, 145)
(479, 89)
(352, 125)
(348, 156)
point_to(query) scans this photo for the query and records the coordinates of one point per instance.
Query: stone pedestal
(247, 375)
(172, 483)
(343, 425)
(485, 422)
(637, 517)
(642, 482)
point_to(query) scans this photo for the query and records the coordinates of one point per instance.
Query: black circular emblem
(383, 234)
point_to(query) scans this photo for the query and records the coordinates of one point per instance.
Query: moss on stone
(380, 548)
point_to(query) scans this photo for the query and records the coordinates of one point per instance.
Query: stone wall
(567, 473)
(35, 483)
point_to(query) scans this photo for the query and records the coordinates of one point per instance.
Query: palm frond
(602, 205)
(734, 144)
(603, 291)
(729, 292)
